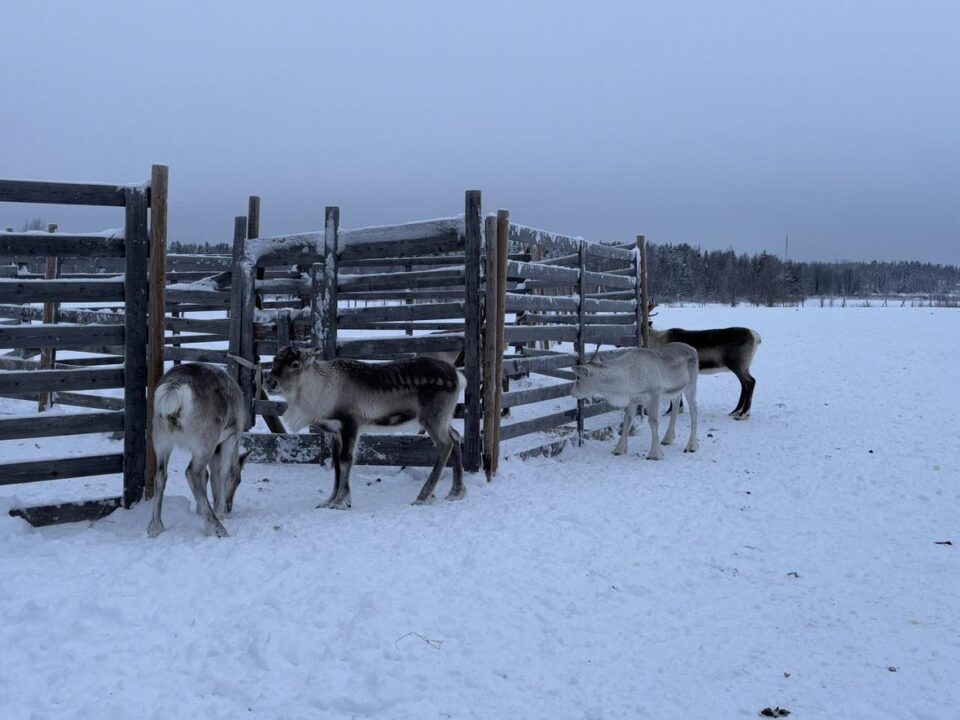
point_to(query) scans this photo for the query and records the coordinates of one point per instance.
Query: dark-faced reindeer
(201, 408)
(345, 396)
(641, 377)
(730, 349)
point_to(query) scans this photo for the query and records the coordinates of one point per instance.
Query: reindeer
(730, 349)
(201, 408)
(345, 396)
(640, 377)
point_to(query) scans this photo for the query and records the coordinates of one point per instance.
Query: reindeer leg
(348, 443)
(653, 407)
(692, 401)
(458, 490)
(672, 427)
(444, 444)
(628, 414)
(744, 384)
(336, 472)
(748, 398)
(197, 476)
(159, 485)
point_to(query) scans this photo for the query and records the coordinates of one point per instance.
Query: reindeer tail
(172, 401)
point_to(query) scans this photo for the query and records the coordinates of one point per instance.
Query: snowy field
(793, 562)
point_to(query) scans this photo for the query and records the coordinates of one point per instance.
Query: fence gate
(21, 379)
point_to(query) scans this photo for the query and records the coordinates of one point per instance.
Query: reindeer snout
(270, 383)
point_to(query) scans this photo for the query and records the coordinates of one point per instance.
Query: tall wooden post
(236, 294)
(503, 233)
(644, 281)
(156, 310)
(51, 311)
(326, 314)
(490, 321)
(135, 415)
(581, 327)
(471, 331)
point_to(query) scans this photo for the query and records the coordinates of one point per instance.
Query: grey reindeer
(641, 377)
(199, 407)
(345, 396)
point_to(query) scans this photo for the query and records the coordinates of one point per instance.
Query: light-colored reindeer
(201, 408)
(641, 377)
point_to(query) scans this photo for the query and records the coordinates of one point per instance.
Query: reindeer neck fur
(311, 399)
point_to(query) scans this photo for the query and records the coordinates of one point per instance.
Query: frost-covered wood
(60, 468)
(409, 313)
(535, 395)
(516, 302)
(447, 242)
(30, 381)
(443, 277)
(59, 336)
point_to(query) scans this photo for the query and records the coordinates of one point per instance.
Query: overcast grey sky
(713, 123)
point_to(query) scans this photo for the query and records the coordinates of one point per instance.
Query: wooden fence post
(156, 311)
(326, 316)
(581, 329)
(135, 347)
(644, 281)
(471, 331)
(236, 294)
(48, 356)
(491, 318)
(503, 233)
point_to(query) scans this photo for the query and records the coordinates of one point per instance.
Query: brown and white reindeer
(641, 377)
(345, 396)
(724, 349)
(199, 407)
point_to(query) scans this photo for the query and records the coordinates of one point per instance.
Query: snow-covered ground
(792, 562)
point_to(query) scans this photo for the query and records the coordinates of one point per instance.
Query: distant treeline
(682, 273)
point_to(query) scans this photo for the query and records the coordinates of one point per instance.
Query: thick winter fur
(718, 350)
(199, 407)
(345, 396)
(642, 377)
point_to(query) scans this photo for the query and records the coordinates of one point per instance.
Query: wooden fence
(128, 368)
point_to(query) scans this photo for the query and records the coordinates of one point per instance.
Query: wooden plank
(269, 407)
(455, 260)
(327, 303)
(535, 395)
(61, 193)
(60, 468)
(415, 295)
(67, 315)
(539, 364)
(14, 428)
(614, 295)
(186, 263)
(236, 317)
(594, 305)
(86, 511)
(409, 313)
(60, 336)
(556, 333)
(135, 349)
(38, 245)
(448, 242)
(609, 251)
(156, 306)
(203, 325)
(433, 278)
(96, 402)
(248, 350)
(608, 280)
(550, 274)
(615, 334)
(386, 450)
(407, 327)
(182, 354)
(538, 424)
(283, 286)
(516, 302)
(387, 347)
(503, 232)
(208, 298)
(570, 319)
(33, 381)
(404, 231)
(581, 331)
(32, 291)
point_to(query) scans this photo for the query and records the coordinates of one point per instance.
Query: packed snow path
(792, 561)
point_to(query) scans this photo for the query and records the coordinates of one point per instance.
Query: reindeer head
(588, 377)
(288, 364)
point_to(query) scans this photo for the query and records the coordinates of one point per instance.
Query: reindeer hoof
(667, 441)
(654, 457)
(423, 501)
(741, 416)
(218, 531)
(690, 449)
(619, 451)
(155, 529)
(456, 495)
